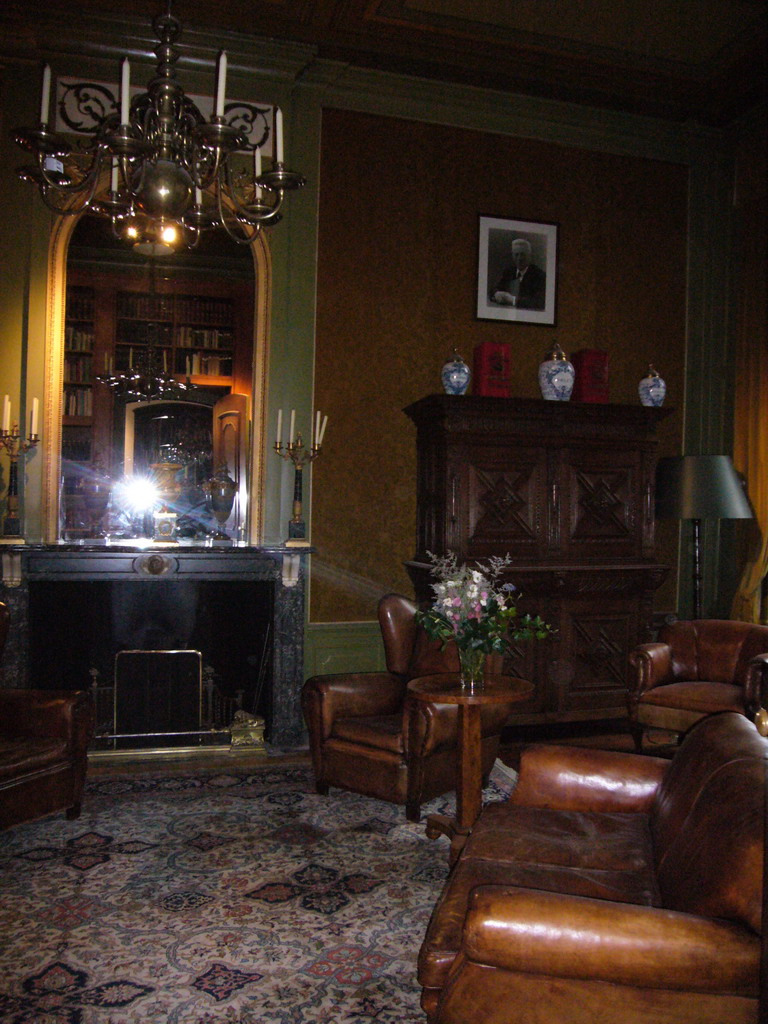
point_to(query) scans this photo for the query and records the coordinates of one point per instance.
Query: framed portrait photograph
(516, 271)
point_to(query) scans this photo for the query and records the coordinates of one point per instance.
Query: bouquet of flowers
(478, 612)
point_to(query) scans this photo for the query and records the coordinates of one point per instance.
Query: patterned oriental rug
(234, 898)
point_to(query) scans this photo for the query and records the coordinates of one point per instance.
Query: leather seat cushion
(443, 938)
(705, 697)
(24, 755)
(384, 732)
(510, 834)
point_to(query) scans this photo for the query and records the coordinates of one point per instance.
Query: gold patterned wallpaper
(396, 292)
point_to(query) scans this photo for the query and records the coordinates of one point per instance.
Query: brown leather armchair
(695, 669)
(44, 737)
(366, 736)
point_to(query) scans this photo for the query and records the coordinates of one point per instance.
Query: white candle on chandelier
(316, 431)
(125, 91)
(113, 182)
(198, 197)
(279, 425)
(257, 170)
(6, 414)
(293, 424)
(322, 432)
(33, 417)
(45, 97)
(221, 84)
(278, 153)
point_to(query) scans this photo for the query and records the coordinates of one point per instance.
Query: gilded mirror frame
(61, 234)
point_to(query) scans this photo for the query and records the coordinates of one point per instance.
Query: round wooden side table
(447, 689)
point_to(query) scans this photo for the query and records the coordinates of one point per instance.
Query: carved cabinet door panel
(601, 504)
(500, 496)
(596, 634)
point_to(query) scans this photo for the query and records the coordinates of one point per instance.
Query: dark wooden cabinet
(567, 490)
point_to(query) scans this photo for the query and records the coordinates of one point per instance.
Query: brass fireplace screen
(164, 695)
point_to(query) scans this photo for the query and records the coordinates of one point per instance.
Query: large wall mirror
(197, 316)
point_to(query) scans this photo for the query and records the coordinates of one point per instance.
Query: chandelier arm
(256, 214)
(213, 170)
(83, 198)
(239, 239)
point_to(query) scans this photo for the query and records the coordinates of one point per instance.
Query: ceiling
(684, 60)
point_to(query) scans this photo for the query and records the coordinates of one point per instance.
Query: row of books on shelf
(204, 337)
(76, 451)
(78, 401)
(78, 369)
(137, 305)
(197, 364)
(139, 333)
(201, 309)
(78, 339)
(80, 303)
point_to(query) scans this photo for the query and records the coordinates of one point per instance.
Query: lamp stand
(696, 568)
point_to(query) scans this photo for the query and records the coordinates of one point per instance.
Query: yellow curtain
(750, 451)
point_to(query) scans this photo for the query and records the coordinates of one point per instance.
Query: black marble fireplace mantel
(284, 568)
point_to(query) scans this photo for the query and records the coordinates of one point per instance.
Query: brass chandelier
(171, 173)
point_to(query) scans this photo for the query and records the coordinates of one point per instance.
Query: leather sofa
(44, 737)
(696, 668)
(610, 887)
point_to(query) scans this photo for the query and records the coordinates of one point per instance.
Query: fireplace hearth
(77, 609)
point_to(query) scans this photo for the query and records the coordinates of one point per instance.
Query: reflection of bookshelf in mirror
(201, 329)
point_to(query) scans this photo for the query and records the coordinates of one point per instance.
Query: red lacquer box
(591, 384)
(491, 369)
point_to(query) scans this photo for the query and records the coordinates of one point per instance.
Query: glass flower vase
(471, 668)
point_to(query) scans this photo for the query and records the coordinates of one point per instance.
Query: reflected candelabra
(295, 451)
(16, 446)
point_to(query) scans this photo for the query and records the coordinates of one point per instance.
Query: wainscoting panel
(342, 647)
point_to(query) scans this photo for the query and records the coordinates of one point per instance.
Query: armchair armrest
(580, 779)
(756, 685)
(66, 714)
(351, 695)
(651, 665)
(536, 932)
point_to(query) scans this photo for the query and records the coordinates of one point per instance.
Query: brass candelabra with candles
(16, 446)
(295, 451)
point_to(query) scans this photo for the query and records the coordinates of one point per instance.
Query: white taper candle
(257, 169)
(278, 154)
(322, 432)
(293, 424)
(6, 413)
(125, 91)
(279, 426)
(221, 84)
(45, 97)
(33, 417)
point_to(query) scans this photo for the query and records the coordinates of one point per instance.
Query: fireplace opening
(164, 659)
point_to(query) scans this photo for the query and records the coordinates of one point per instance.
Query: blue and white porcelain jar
(455, 375)
(556, 376)
(652, 389)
